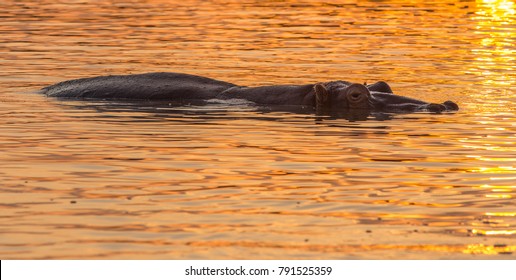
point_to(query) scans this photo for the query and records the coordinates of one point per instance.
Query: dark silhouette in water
(324, 97)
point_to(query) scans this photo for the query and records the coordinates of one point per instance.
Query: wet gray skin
(336, 95)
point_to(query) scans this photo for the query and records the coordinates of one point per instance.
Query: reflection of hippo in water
(175, 86)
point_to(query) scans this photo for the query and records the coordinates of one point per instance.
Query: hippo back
(150, 86)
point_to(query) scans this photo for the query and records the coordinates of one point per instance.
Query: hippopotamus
(333, 95)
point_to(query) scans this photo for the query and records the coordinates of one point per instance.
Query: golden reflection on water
(489, 250)
(102, 180)
(496, 22)
(495, 64)
(502, 214)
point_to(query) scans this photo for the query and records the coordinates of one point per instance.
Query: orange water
(103, 180)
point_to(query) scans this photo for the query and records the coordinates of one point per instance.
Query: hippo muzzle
(342, 95)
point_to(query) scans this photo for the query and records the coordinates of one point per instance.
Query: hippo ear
(322, 96)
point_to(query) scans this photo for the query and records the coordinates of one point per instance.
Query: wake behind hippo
(334, 95)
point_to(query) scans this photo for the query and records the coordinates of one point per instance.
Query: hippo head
(344, 95)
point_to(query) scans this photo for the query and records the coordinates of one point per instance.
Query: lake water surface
(107, 180)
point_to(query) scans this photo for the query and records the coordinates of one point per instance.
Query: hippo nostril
(452, 106)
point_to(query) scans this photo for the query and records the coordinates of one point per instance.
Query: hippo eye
(357, 96)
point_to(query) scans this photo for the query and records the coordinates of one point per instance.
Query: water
(105, 180)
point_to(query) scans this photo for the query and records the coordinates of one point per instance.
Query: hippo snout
(446, 106)
(358, 96)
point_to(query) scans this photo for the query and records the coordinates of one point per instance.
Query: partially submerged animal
(334, 95)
